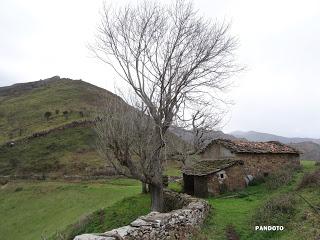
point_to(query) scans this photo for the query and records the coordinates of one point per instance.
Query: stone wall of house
(233, 179)
(216, 151)
(254, 164)
(176, 224)
(263, 164)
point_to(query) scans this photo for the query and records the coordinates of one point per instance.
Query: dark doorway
(201, 186)
(188, 184)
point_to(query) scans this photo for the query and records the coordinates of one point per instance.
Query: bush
(310, 180)
(47, 115)
(3, 181)
(66, 114)
(276, 211)
(317, 163)
(279, 178)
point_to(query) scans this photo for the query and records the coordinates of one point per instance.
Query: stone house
(209, 177)
(259, 158)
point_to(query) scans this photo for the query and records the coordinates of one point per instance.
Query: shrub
(276, 211)
(66, 114)
(3, 181)
(47, 115)
(279, 178)
(310, 180)
(317, 163)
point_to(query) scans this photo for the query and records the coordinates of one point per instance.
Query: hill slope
(23, 106)
(310, 150)
(66, 148)
(63, 144)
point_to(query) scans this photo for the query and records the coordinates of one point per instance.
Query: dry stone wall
(176, 224)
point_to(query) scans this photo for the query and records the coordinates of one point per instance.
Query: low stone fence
(176, 224)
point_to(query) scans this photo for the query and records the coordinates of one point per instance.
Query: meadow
(35, 209)
(31, 210)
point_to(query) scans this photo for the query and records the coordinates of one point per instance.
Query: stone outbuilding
(209, 178)
(259, 158)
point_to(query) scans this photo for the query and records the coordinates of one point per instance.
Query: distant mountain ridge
(309, 147)
(187, 135)
(264, 137)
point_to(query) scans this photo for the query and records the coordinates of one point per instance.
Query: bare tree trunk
(144, 187)
(156, 186)
(157, 200)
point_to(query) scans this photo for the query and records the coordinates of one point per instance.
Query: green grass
(117, 215)
(239, 212)
(31, 209)
(173, 168)
(69, 151)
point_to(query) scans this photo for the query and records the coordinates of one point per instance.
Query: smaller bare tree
(125, 139)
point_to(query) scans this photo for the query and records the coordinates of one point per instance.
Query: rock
(92, 237)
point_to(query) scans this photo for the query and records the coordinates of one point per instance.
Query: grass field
(30, 210)
(43, 208)
(66, 152)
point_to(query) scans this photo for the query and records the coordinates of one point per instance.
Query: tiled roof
(240, 146)
(207, 167)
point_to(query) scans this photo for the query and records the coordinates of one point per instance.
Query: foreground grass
(239, 211)
(119, 214)
(34, 209)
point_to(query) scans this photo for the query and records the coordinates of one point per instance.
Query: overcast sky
(279, 92)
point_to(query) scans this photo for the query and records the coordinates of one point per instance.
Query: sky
(279, 92)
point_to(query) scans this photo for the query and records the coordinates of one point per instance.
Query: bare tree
(125, 138)
(203, 122)
(170, 56)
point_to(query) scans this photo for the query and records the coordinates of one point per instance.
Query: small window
(265, 174)
(221, 175)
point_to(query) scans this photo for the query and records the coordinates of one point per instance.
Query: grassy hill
(23, 106)
(67, 145)
(64, 151)
(309, 150)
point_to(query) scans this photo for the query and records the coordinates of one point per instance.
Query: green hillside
(67, 146)
(67, 151)
(23, 106)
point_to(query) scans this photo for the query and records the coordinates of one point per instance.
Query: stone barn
(260, 158)
(209, 177)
